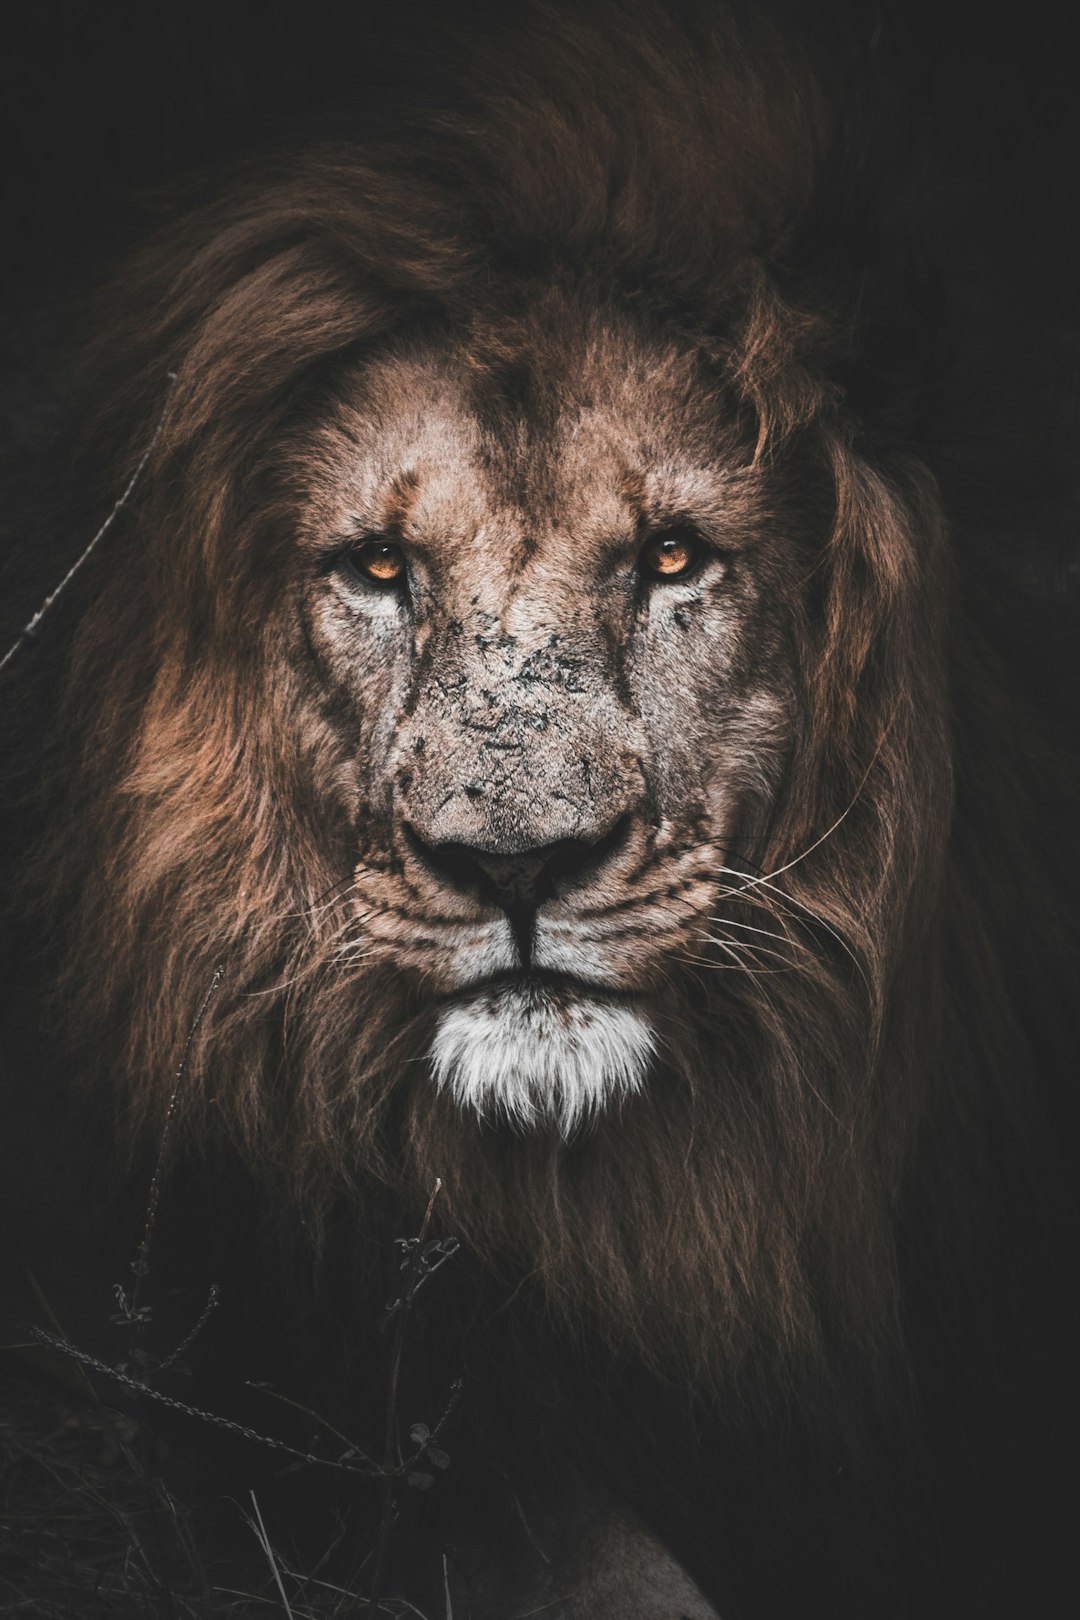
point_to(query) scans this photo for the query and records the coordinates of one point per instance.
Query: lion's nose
(522, 879)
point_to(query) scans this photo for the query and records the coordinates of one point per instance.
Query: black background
(104, 107)
(103, 103)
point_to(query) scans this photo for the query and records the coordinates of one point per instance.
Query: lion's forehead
(419, 449)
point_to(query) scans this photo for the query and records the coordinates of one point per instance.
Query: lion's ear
(772, 361)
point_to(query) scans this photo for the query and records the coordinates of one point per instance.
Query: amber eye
(673, 554)
(380, 561)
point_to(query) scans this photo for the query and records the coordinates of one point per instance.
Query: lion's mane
(816, 1133)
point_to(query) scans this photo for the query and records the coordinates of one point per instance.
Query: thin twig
(139, 1386)
(213, 1300)
(264, 1540)
(352, 1449)
(30, 628)
(141, 1264)
(389, 1470)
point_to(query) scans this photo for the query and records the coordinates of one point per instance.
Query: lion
(533, 670)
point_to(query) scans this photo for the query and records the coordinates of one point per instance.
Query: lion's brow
(399, 499)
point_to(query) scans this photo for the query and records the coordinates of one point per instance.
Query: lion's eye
(380, 561)
(672, 554)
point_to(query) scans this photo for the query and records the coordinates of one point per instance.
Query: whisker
(329, 897)
(790, 899)
(753, 951)
(714, 966)
(784, 939)
(803, 1076)
(353, 951)
(845, 813)
(729, 946)
(740, 966)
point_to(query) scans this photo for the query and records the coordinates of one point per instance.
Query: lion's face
(549, 604)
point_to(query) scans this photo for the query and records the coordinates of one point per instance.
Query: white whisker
(729, 922)
(780, 870)
(752, 951)
(754, 972)
(782, 895)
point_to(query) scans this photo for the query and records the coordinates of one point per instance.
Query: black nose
(522, 879)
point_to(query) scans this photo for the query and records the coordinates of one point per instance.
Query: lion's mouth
(538, 984)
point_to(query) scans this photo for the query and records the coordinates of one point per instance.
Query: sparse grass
(85, 1531)
(104, 1518)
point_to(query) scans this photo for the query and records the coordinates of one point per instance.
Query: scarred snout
(519, 771)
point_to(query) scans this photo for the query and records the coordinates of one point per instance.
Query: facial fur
(548, 754)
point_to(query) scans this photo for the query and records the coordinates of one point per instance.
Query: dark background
(103, 103)
(105, 107)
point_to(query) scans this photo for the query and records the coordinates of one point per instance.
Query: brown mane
(190, 835)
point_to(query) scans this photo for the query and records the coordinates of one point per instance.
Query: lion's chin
(534, 1054)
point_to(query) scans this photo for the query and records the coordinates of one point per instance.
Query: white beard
(537, 1055)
